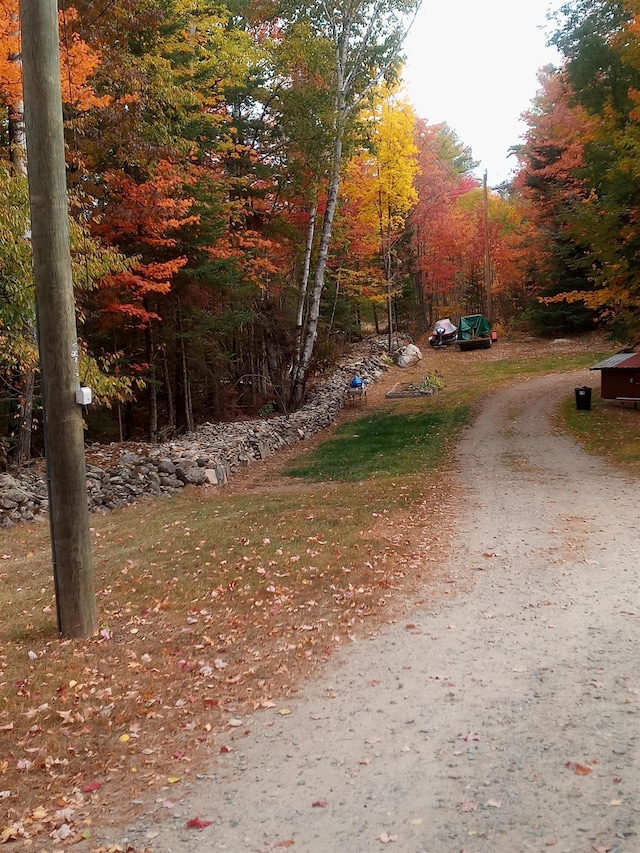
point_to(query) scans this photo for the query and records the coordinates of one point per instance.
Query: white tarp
(409, 355)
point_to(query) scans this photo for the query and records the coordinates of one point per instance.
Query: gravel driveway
(504, 719)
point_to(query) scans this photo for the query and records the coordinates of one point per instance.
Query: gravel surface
(504, 718)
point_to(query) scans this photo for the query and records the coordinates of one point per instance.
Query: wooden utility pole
(487, 254)
(55, 311)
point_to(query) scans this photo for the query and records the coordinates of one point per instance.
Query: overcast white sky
(473, 64)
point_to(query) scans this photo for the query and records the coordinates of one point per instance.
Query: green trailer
(474, 332)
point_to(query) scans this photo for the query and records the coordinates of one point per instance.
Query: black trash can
(583, 398)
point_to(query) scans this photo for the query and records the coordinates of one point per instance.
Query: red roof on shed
(621, 361)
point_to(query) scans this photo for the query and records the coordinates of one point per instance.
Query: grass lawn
(608, 429)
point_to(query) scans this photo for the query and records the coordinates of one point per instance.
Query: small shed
(620, 377)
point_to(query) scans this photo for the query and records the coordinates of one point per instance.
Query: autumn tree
(185, 85)
(440, 225)
(553, 189)
(19, 369)
(579, 166)
(379, 190)
(17, 318)
(365, 39)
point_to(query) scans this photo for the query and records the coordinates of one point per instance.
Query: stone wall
(207, 457)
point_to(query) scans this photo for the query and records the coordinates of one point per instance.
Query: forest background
(250, 191)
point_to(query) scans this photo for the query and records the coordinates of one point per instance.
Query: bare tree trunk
(421, 302)
(18, 158)
(17, 133)
(272, 356)
(153, 390)
(188, 401)
(311, 334)
(171, 410)
(26, 383)
(256, 380)
(335, 303)
(188, 410)
(25, 414)
(304, 283)
(17, 138)
(389, 317)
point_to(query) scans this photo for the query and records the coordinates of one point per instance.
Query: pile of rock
(209, 456)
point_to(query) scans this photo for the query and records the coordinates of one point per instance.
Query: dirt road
(505, 719)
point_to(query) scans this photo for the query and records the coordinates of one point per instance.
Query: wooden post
(55, 311)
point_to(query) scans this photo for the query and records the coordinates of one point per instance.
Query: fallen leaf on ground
(11, 833)
(319, 804)
(197, 823)
(62, 833)
(288, 843)
(579, 769)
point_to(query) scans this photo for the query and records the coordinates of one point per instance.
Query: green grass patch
(501, 371)
(384, 444)
(607, 429)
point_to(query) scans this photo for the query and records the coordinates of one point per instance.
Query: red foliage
(143, 220)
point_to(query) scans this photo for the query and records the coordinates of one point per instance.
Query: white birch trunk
(304, 283)
(311, 333)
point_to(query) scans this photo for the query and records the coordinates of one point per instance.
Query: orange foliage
(142, 219)
(148, 213)
(78, 61)
(251, 252)
(443, 227)
(551, 159)
(125, 292)
(10, 70)
(554, 143)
